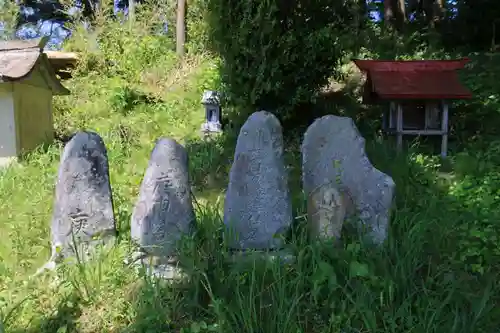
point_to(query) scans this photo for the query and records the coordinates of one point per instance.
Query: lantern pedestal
(211, 127)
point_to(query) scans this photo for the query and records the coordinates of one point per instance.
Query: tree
(476, 24)
(33, 11)
(277, 53)
(395, 14)
(429, 11)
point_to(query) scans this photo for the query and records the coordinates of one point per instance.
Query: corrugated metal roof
(37, 43)
(418, 79)
(411, 65)
(418, 85)
(15, 65)
(19, 58)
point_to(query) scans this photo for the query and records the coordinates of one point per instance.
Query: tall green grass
(438, 271)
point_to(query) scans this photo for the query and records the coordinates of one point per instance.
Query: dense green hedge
(276, 54)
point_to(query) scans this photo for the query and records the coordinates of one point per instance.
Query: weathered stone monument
(257, 207)
(333, 152)
(164, 211)
(83, 207)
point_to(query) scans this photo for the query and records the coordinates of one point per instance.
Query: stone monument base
(161, 268)
(250, 256)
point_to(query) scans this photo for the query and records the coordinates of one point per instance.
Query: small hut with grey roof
(27, 84)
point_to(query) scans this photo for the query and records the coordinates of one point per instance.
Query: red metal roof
(418, 85)
(420, 79)
(410, 65)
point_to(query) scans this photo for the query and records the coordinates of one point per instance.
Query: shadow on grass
(210, 160)
(63, 318)
(341, 102)
(437, 273)
(425, 272)
(478, 119)
(424, 279)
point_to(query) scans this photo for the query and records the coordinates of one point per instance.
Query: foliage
(276, 54)
(475, 26)
(42, 10)
(461, 24)
(438, 271)
(7, 19)
(417, 281)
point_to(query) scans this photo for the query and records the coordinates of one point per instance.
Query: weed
(438, 271)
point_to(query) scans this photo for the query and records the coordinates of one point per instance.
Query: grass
(438, 271)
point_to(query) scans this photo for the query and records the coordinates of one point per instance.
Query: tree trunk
(401, 13)
(438, 10)
(88, 9)
(388, 12)
(395, 13)
(433, 10)
(131, 11)
(181, 27)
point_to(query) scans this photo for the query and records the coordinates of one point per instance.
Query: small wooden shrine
(417, 93)
(28, 83)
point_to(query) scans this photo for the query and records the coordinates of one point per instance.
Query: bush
(276, 54)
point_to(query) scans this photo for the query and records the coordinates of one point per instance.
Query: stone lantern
(211, 102)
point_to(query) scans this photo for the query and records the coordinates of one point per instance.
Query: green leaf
(357, 269)
(62, 329)
(195, 327)
(353, 248)
(326, 268)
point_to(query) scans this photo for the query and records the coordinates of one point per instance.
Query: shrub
(276, 54)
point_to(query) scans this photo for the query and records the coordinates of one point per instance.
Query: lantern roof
(210, 97)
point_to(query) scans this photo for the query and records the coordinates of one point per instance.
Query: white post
(390, 122)
(399, 127)
(427, 115)
(444, 130)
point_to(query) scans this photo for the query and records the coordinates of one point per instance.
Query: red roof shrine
(416, 79)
